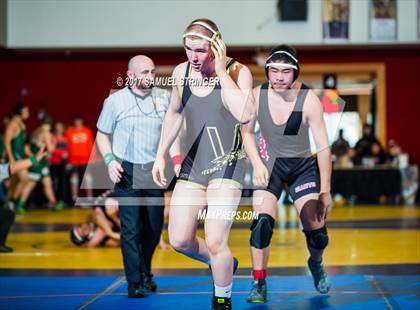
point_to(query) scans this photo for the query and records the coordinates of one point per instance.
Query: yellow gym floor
(359, 235)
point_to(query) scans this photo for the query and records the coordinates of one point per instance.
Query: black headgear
(77, 239)
(285, 53)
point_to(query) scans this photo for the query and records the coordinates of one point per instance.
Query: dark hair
(47, 120)
(284, 57)
(77, 116)
(18, 108)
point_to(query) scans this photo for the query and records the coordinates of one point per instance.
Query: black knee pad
(317, 239)
(261, 231)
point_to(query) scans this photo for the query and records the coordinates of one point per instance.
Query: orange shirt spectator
(80, 143)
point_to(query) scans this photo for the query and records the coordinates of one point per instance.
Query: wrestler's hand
(114, 235)
(177, 169)
(219, 50)
(260, 175)
(325, 205)
(115, 171)
(158, 171)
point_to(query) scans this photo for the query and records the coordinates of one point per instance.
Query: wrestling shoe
(221, 303)
(321, 281)
(258, 293)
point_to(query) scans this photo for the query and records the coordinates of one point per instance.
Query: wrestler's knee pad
(261, 231)
(317, 239)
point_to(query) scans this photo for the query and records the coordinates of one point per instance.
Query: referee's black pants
(7, 217)
(141, 212)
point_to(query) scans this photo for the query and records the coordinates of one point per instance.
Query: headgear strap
(196, 34)
(202, 36)
(281, 65)
(282, 52)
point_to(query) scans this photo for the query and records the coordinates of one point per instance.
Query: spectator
(340, 150)
(80, 143)
(354, 159)
(4, 183)
(40, 172)
(378, 155)
(363, 146)
(394, 152)
(14, 143)
(6, 120)
(58, 162)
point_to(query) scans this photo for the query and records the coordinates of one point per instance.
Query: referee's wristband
(33, 160)
(108, 158)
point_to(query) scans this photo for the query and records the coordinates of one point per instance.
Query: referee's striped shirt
(135, 123)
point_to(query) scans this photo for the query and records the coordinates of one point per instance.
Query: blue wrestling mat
(187, 292)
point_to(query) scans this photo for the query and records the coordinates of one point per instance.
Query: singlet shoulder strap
(230, 63)
(187, 70)
(303, 92)
(263, 93)
(263, 97)
(186, 91)
(295, 120)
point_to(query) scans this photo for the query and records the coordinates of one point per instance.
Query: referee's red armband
(176, 160)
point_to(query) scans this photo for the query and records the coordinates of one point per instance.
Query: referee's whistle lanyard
(147, 114)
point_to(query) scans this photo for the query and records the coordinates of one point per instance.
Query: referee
(128, 135)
